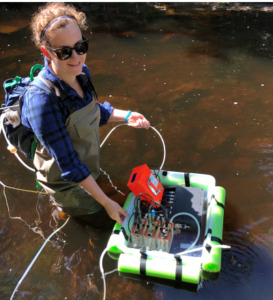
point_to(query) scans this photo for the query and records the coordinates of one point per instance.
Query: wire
(102, 272)
(111, 182)
(197, 223)
(33, 170)
(127, 124)
(25, 165)
(7, 107)
(201, 248)
(14, 218)
(110, 272)
(34, 259)
(29, 191)
(157, 203)
(129, 222)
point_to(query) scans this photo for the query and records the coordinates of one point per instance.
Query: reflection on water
(202, 75)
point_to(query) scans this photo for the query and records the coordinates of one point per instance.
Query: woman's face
(66, 36)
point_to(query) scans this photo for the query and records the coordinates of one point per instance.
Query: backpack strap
(49, 87)
(91, 88)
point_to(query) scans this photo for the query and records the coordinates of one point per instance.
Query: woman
(67, 155)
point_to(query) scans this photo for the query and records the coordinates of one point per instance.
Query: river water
(202, 75)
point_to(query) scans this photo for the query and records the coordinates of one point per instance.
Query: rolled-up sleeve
(42, 114)
(105, 111)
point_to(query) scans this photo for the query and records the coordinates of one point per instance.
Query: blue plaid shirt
(45, 115)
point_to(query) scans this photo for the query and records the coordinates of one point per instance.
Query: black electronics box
(189, 200)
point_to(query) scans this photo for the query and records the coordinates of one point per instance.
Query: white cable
(129, 124)
(201, 248)
(112, 182)
(33, 170)
(25, 165)
(197, 223)
(111, 132)
(164, 148)
(102, 273)
(34, 259)
(7, 107)
(110, 272)
(13, 218)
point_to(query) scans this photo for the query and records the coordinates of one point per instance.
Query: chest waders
(83, 129)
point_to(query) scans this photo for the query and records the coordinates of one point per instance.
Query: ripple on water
(238, 263)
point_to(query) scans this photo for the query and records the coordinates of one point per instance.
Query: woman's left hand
(138, 121)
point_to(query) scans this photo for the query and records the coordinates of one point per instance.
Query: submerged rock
(10, 26)
(212, 138)
(261, 144)
(241, 164)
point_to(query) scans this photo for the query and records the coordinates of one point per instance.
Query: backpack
(18, 135)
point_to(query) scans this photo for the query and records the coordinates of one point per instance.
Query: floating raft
(188, 267)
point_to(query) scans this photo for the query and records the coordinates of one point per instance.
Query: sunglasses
(64, 53)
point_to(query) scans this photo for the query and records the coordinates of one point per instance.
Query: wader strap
(178, 269)
(142, 266)
(187, 179)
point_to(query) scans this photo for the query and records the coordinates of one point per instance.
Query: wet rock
(145, 92)
(10, 26)
(10, 68)
(213, 166)
(258, 144)
(177, 92)
(150, 157)
(125, 34)
(212, 138)
(242, 164)
(195, 158)
(210, 50)
(10, 54)
(270, 231)
(244, 190)
(120, 102)
(175, 160)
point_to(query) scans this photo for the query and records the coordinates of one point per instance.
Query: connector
(150, 223)
(137, 233)
(165, 237)
(182, 226)
(12, 149)
(153, 219)
(150, 236)
(167, 217)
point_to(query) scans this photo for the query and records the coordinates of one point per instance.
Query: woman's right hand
(115, 211)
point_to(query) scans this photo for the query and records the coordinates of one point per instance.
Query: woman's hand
(115, 211)
(138, 121)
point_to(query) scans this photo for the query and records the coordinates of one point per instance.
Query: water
(202, 76)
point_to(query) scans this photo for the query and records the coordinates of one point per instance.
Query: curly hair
(49, 12)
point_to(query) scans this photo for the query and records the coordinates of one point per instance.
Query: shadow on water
(201, 73)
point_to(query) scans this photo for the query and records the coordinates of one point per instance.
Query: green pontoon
(196, 243)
